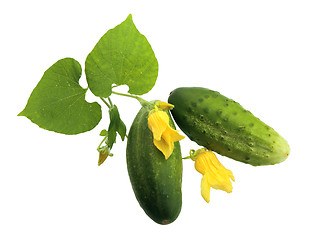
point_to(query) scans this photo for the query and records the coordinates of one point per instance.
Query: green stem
(106, 103)
(101, 143)
(126, 95)
(141, 100)
(110, 102)
(188, 157)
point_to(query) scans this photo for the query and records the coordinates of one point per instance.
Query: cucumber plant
(123, 56)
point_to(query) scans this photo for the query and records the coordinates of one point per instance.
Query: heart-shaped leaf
(122, 56)
(58, 101)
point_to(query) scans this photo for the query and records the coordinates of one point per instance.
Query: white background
(258, 53)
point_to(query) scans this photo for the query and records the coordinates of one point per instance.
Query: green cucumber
(156, 181)
(224, 126)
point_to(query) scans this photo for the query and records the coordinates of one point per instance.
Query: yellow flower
(215, 175)
(164, 136)
(164, 105)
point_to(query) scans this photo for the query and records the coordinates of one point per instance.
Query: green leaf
(58, 101)
(116, 125)
(122, 129)
(103, 133)
(122, 56)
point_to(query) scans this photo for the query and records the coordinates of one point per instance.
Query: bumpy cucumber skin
(224, 126)
(156, 181)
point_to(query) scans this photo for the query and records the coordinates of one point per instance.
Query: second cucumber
(224, 126)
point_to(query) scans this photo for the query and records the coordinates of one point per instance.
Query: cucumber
(224, 126)
(156, 181)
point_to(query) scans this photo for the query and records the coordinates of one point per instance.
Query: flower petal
(202, 163)
(164, 105)
(205, 188)
(162, 146)
(158, 121)
(174, 134)
(220, 181)
(170, 136)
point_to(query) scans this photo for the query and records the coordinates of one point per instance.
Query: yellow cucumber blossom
(215, 175)
(164, 136)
